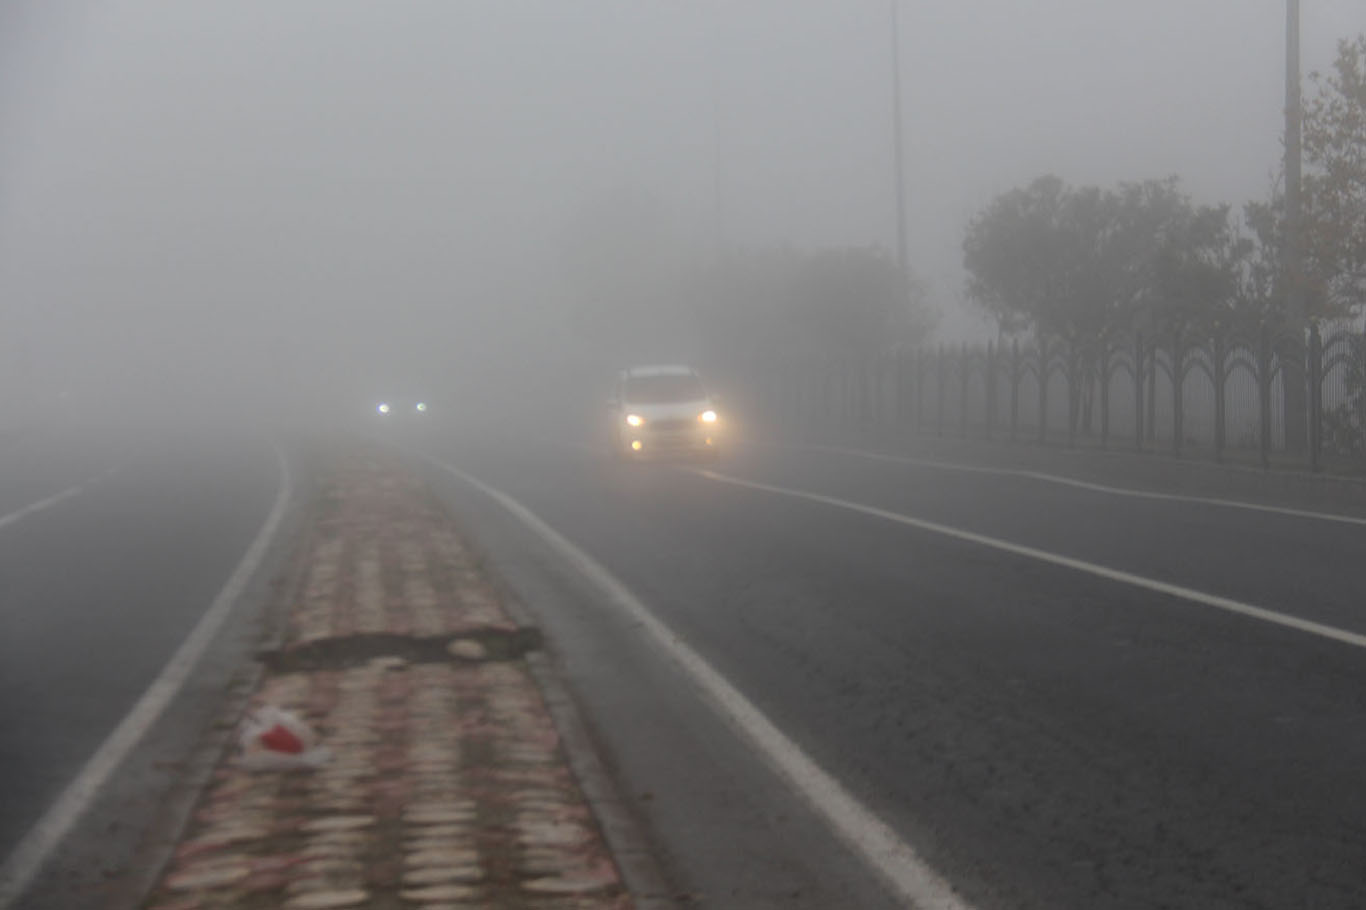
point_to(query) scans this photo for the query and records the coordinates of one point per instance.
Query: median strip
(444, 782)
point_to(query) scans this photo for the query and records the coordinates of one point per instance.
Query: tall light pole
(1293, 375)
(898, 163)
(718, 206)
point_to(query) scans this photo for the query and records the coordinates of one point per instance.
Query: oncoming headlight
(422, 406)
(635, 420)
(707, 416)
(383, 407)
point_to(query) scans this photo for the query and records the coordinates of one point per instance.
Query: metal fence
(1221, 397)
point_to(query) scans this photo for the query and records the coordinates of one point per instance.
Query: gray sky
(306, 186)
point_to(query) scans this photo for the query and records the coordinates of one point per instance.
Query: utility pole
(898, 163)
(718, 205)
(1293, 376)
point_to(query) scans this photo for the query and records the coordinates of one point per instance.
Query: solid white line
(1079, 565)
(1084, 485)
(20, 514)
(868, 836)
(32, 852)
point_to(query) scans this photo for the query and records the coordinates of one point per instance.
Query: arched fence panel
(1242, 412)
(1221, 397)
(976, 395)
(1058, 402)
(1199, 411)
(1342, 394)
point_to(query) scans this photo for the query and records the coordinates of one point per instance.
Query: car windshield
(664, 389)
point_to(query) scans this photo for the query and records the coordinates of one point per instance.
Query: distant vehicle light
(635, 445)
(383, 409)
(422, 406)
(707, 417)
(635, 420)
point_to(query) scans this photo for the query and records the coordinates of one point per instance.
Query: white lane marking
(868, 836)
(19, 515)
(31, 853)
(1084, 485)
(1068, 562)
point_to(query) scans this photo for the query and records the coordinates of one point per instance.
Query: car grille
(672, 425)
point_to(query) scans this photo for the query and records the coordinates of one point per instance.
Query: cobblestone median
(447, 786)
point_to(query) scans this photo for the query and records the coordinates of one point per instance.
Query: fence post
(865, 392)
(786, 399)
(1104, 364)
(920, 387)
(991, 389)
(1073, 394)
(1315, 375)
(940, 381)
(851, 402)
(1014, 387)
(963, 380)
(1043, 389)
(867, 406)
(901, 409)
(1151, 422)
(1178, 386)
(881, 404)
(1220, 408)
(1138, 391)
(849, 393)
(1264, 395)
(879, 395)
(842, 396)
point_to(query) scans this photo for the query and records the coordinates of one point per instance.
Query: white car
(663, 410)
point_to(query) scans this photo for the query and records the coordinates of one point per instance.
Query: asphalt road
(1044, 736)
(112, 546)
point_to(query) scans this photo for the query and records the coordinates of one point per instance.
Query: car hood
(672, 411)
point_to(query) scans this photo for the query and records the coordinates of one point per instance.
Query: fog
(309, 204)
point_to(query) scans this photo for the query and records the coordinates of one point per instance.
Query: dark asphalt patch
(344, 652)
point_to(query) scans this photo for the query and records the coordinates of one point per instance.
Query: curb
(630, 847)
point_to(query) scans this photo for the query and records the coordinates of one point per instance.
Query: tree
(846, 301)
(1335, 223)
(1335, 185)
(1084, 264)
(1197, 265)
(1012, 254)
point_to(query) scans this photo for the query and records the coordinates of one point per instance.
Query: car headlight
(383, 408)
(422, 406)
(635, 420)
(707, 417)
